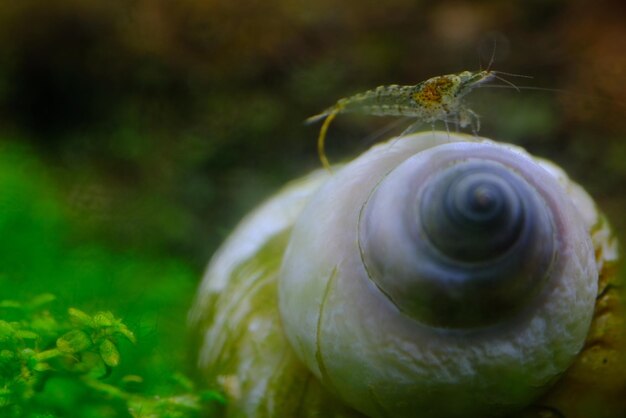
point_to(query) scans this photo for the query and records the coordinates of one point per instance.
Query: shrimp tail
(337, 108)
(318, 117)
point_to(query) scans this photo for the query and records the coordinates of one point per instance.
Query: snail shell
(434, 276)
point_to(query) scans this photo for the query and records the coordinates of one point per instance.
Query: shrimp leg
(412, 128)
(322, 138)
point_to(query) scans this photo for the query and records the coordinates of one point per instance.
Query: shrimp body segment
(436, 99)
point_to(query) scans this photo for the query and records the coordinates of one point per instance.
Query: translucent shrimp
(436, 99)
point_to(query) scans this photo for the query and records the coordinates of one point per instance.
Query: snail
(436, 275)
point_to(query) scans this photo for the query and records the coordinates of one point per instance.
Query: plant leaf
(79, 317)
(110, 354)
(73, 342)
(103, 319)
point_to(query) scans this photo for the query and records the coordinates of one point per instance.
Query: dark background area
(162, 122)
(135, 134)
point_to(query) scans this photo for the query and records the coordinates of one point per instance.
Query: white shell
(385, 364)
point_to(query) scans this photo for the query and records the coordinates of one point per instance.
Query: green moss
(73, 357)
(58, 367)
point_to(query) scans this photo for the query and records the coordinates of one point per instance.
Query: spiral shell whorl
(473, 239)
(373, 353)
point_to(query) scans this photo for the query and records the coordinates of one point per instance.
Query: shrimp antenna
(507, 82)
(513, 74)
(493, 55)
(500, 86)
(504, 80)
(491, 59)
(553, 90)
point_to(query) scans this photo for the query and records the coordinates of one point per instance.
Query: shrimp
(436, 99)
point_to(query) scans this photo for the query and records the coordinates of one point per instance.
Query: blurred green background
(135, 134)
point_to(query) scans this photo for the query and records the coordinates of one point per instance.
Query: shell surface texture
(438, 276)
